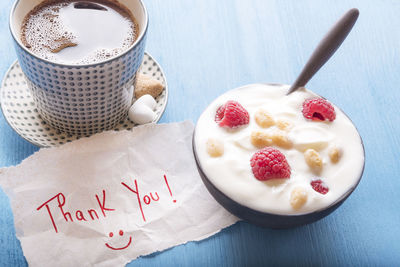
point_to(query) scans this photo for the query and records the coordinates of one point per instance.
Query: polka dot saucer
(20, 111)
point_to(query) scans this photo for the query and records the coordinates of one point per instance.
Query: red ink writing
(137, 195)
(49, 212)
(91, 212)
(147, 198)
(169, 189)
(102, 205)
(57, 207)
(61, 203)
(121, 233)
(79, 215)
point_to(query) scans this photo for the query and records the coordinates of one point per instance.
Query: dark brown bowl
(266, 219)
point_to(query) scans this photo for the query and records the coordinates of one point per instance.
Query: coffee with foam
(79, 32)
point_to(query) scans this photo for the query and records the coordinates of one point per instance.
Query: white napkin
(78, 204)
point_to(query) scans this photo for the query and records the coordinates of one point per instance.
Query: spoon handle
(326, 48)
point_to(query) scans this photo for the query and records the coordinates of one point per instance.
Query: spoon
(326, 48)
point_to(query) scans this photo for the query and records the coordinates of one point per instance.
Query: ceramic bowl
(266, 219)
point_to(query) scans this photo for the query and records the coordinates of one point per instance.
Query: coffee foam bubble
(45, 34)
(43, 31)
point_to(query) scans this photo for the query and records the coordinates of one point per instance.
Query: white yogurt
(231, 173)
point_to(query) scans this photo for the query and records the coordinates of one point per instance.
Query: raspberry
(319, 186)
(232, 115)
(269, 163)
(318, 109)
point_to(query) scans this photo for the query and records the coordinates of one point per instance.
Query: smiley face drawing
(121, 233)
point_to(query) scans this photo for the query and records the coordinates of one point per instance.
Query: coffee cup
(81, 99)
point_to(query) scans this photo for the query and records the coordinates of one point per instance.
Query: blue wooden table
(207, 47)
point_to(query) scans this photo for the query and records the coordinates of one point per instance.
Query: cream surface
(231, 173)
(98, 34)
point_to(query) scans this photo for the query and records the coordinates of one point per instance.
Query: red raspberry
(232, 115)
(269, 163)
(319, 186)
(318, 109)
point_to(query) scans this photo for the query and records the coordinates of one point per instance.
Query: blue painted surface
(207, 47)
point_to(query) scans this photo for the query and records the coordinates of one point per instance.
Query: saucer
(21, 114)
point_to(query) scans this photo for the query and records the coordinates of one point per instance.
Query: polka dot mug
(81, 99)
